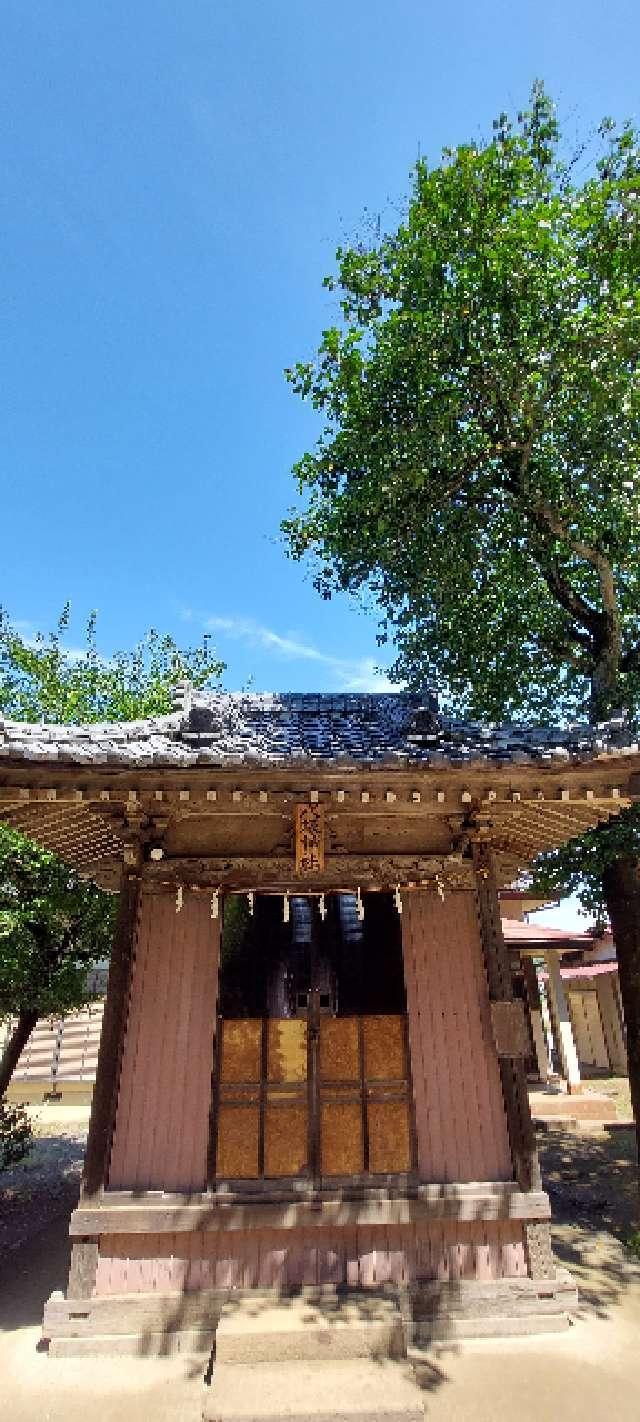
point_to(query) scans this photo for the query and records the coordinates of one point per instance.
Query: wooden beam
(210, 1215)
(342, 871)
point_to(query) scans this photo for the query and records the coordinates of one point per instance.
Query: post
(562, 1030)
(612, 1025)
(535, 1012)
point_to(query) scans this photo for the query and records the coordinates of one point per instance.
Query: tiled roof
(281, 729)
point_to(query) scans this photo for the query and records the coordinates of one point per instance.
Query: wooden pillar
(535, 1012)
(562, 1029)
(612, 1024)
(512, 1072)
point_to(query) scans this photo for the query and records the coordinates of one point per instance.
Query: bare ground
(46, 1183)
(588, 1374)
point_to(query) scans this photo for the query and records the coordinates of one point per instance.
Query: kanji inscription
(309, 839)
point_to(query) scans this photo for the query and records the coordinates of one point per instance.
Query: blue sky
(175, 179)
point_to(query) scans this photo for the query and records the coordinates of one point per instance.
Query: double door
(313, 1096)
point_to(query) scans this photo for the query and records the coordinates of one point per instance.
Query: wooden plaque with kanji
(309, 839)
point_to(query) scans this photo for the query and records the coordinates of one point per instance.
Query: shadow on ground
(31, 1272)
(592, 1178)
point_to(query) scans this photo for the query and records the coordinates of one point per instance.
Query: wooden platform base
(249, 1326)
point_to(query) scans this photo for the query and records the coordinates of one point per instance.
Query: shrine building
(311, 1075)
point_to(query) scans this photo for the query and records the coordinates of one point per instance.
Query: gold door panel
(292, 1102)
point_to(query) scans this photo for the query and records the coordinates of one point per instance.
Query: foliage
(479, 466)
(578, 867)
(42, 680)
(16, 1135)
(53, 925)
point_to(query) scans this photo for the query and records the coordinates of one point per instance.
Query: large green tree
(53, 924)
(478, 471)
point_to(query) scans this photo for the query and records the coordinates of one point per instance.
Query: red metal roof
(533, 935)
(589, 970)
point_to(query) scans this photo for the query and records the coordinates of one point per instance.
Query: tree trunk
(621, 882)
(16, 1044)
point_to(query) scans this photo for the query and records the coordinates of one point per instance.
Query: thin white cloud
(352, 673)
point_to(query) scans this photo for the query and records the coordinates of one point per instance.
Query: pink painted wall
(162, 1117)
(293, 1258)
(460, 1118)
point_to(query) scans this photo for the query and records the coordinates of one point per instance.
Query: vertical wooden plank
(83, 1268)
(105, 1095)
(424, 1069)
(199, 1066)
(483, 1260)
(367, 1256)
(446, 1049)
(498, 1164)
(161, 1134)
(135, 1116)
(460, 1120)
(395, 1254)
(352, 1261)
(487, 1123)
(466, 1113)
(156, 1058)
(309, 1258)
(295, 1260)
(512, 1073)
(329, 1258)
(176, 1157)
(415, 1038)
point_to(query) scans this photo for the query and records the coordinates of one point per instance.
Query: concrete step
(575, 1107)
(383, 1391)
(306, 1330)
(491, 1326)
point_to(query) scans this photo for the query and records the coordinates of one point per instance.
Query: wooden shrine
(311, 1072)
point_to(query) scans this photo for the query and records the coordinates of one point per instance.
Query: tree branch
(578, 609)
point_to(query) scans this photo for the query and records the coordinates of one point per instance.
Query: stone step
(306, 1330)
(382, 1391)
